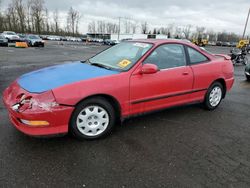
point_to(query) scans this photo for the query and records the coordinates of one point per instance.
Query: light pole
(246, 24)
(119, 29)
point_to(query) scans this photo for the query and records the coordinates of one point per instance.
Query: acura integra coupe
(88, 98)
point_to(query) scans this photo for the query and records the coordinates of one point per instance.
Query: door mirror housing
(149, 69)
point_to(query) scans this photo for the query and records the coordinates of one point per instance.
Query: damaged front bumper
(36, 114)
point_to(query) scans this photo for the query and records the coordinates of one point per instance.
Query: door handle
(185, 73)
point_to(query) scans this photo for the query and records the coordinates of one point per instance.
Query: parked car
(34, 40)
(84, 39)
(63, 39)
(225, 44)
(211, 43)
(130, 78)
(3, 41)
(218, 43)
(53, 37)
(11, 36)
(22, 37)
(247, 71)
(126, 39)
(44, 37)
(109, 42)
(233, 44)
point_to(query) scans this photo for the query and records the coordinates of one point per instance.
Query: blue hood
(57, 76)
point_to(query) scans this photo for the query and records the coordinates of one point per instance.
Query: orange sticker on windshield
(124, 63)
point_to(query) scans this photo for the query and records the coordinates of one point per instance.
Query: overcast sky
(227, 15)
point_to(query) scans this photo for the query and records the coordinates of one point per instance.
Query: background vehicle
(109, 42)
(53, 37)
(242, 43)
(226, 44)
(11, 36)
(3, 41)
(34, 40)
(233, 44)
(200, 42)
(218, 43)
(63, 39)
(247, 71)
(239, 56)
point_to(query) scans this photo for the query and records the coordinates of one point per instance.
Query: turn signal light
(35, 123)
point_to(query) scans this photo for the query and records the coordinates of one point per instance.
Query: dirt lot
(178, 147)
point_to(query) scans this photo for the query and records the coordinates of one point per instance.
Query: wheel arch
(112, 100)
(223, 83)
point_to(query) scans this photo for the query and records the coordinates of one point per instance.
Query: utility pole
(119, 29)
(246, 24)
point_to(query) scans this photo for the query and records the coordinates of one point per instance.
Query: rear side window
(196, 57)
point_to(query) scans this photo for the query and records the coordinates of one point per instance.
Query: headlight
(44, 101)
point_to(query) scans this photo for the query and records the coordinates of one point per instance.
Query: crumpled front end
(36, 114)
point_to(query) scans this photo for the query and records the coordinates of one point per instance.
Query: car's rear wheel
(245, 61)
(93, 118)
(213, 96)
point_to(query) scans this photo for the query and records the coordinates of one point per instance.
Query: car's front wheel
(213, 96)
(93, 118)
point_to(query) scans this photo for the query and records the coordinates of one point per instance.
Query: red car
(88, 98)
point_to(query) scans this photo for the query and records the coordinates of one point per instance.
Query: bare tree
(212, 36)
(1, 18)
(127, 25)
(73, 20)
(20, 14)
(178, 32)
(28, 12)
(187, 31)
(56, 22)
(37, 12)
(200, 30)
(168, 30)
(101, 26)
(144, 27)
(47, 26)
(111, 28)
(11, 18)
(78, 17)
(134, 26)
(92, 27)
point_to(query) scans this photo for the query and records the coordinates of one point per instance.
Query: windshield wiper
(100, 65)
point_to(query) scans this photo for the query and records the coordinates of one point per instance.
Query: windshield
(10, 33)
(122, 56)
(34, 37)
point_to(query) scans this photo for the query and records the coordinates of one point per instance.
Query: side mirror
(149, 69)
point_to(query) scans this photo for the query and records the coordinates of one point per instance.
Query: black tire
(97, 101)
(248, 78)
(207, 104)
(29, 44)
(245, 61)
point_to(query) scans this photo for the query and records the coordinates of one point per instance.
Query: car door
(167, 87)
(205, 72)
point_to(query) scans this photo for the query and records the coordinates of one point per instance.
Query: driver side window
(167, 56)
